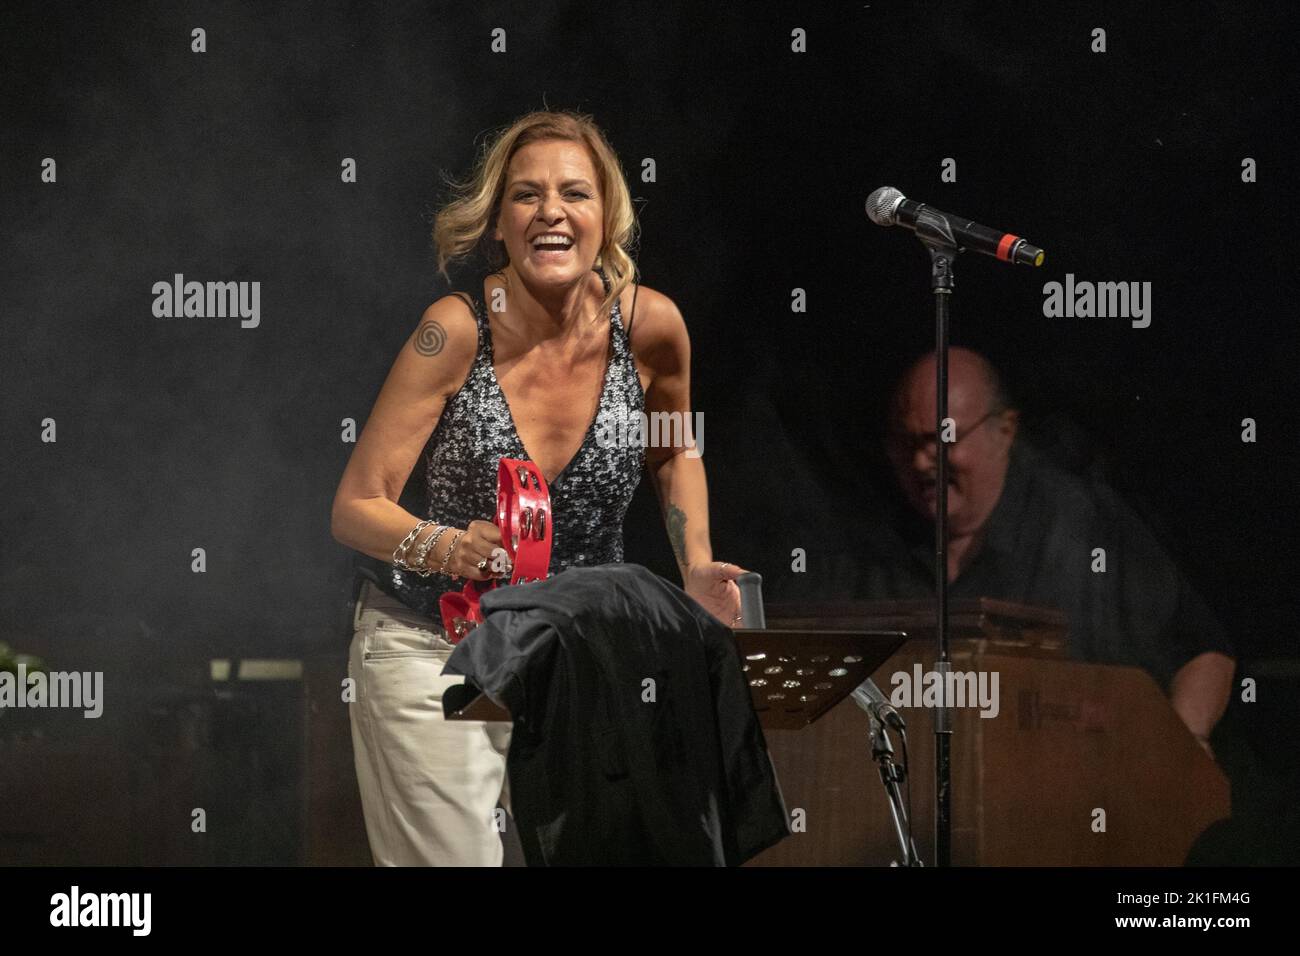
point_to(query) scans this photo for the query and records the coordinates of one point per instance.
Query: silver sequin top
(589, 497)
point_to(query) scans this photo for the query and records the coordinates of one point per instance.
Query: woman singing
(524, 370)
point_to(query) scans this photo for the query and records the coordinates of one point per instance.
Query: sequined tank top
(589, 497)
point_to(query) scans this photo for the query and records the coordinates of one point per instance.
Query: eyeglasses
(909, 443)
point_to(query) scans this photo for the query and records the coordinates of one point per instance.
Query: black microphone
(889, 207)
(869, 697)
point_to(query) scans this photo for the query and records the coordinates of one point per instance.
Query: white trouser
(429, 786)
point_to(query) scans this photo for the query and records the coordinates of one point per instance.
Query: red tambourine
(524, 517)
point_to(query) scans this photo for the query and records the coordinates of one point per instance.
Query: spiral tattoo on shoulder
(429, 338)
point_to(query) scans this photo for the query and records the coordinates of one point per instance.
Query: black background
(183, 433)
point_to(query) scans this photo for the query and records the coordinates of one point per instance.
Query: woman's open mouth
(552, 246)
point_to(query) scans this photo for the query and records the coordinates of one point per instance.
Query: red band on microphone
(1004, 246)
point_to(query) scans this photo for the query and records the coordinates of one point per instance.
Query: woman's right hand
(475, 545)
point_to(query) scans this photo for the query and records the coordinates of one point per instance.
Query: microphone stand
(937, 237)
(936, 233)
(891, 775)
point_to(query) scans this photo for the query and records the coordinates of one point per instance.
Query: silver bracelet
(399, 553)
(446, 558)
(421, 567)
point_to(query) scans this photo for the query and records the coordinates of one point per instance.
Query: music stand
(795, 675)
(804, 672)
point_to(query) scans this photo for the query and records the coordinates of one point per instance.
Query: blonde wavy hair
(462, 226)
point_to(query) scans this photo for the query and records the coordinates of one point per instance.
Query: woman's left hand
(713, 587)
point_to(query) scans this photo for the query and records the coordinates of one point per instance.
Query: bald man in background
(1023, 529)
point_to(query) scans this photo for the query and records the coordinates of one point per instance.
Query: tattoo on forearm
(429, 338)
(676, 522)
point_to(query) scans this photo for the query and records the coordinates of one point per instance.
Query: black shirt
(1038, 549)
(635, 740)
